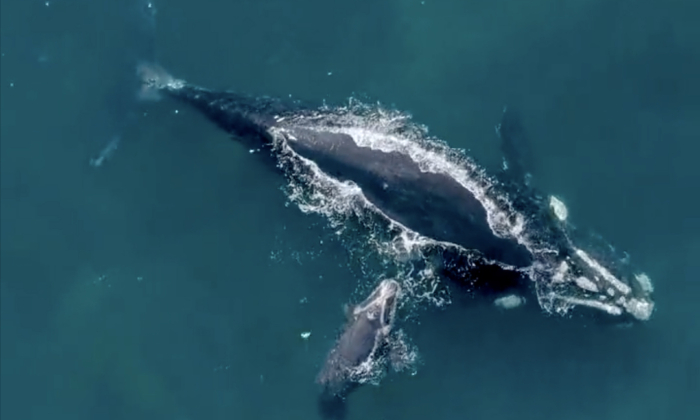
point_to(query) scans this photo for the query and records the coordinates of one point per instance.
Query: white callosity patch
(585, 283)
(599, 289)
(640, 309)
(607, 307)
(604, 273)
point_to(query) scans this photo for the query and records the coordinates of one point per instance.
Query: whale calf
(425, 202)
(360, 352)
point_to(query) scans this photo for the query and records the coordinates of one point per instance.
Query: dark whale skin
(363, 341)
(563, 269)
(431, 204)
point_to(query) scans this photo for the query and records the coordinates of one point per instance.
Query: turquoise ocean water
(172, 281)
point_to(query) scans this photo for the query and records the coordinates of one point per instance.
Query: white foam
(644, 282)
(392, 131)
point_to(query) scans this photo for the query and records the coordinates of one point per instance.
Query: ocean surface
(151, 269)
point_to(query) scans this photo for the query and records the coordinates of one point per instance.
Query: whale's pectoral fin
(517, 154)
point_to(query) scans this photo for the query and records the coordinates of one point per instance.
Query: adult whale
(426, 202)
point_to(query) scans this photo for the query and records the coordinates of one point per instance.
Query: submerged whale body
(495, 235)
(360, 351)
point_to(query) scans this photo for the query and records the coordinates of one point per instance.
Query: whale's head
(379, 308)
(586, 272)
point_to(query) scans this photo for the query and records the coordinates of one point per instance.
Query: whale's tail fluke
(154, 78)
(245, 117)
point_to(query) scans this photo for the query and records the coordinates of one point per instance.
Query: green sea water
(173, 282)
